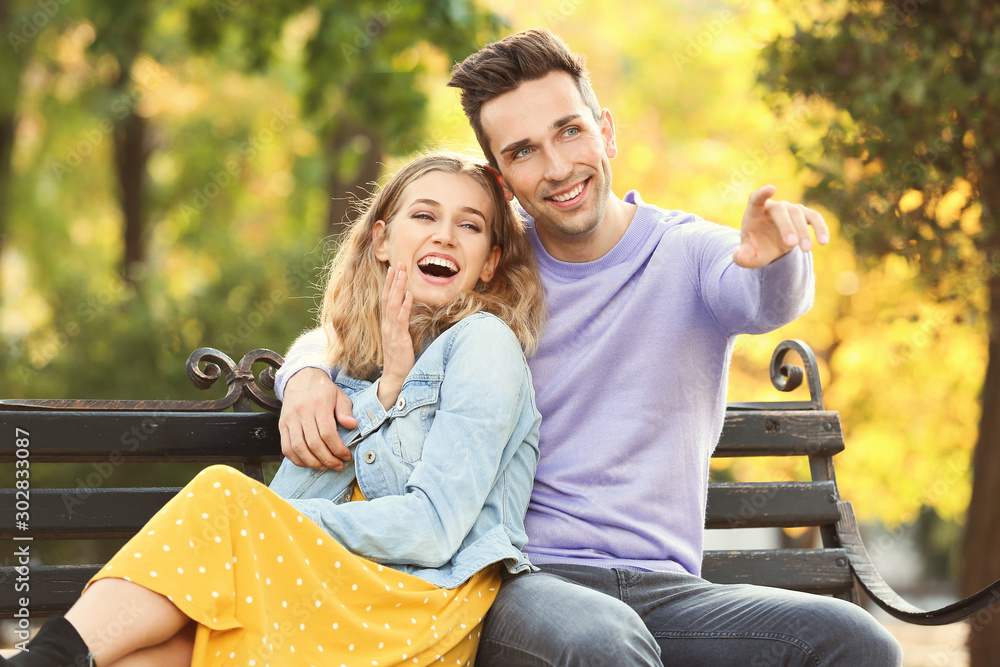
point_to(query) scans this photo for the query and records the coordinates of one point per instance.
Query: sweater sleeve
(741, 300)
(307, 351)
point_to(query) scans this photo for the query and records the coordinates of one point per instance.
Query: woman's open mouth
(438, 269)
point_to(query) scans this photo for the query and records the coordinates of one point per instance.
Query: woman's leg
(175, 652)
(116, 617)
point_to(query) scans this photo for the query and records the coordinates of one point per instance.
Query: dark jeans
(571, 615)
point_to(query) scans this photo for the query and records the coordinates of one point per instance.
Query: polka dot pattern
(265, 601)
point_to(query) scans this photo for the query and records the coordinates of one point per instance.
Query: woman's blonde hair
(351, 311)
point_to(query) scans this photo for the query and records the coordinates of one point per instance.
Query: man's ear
(507, 192)
(608, 133)
(378, 241)
(490, 267)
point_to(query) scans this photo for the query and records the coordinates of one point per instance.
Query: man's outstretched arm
(312, 406)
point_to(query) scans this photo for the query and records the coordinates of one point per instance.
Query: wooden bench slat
(145, 436)
(824, 571)
(84, 513)
(54, 588)
(768, 504)
(780, 433)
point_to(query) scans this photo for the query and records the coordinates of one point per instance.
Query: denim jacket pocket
(411, 417)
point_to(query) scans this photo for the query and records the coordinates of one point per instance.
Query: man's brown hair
(502, 66)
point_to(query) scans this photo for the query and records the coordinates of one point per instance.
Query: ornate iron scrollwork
(786, 377)
(243, 388)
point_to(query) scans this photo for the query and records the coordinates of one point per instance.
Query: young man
(644, 306)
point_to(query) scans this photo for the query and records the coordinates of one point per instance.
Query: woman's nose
(444, 233)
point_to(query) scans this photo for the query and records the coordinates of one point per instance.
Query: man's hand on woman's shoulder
(313, 406)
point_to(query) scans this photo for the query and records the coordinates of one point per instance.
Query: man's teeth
(439, 261)
(569, 195)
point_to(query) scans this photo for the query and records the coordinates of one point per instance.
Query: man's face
(553, 155)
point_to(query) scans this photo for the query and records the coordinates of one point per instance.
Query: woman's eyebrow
(474, 211)
(425, 202)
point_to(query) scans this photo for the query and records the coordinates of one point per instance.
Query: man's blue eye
(522, 152)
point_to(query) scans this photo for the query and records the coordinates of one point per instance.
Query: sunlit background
(175, 170)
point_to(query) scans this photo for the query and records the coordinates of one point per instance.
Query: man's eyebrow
(556, 124)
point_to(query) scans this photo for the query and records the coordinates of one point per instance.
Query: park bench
(228, 430)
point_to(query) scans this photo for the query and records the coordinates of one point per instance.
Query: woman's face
(441, 235)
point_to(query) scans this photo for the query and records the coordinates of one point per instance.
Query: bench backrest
(112, 432)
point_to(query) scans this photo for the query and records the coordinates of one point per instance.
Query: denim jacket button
(401, 403)
(370, 456)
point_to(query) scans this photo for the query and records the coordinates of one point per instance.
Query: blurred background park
(172, 175)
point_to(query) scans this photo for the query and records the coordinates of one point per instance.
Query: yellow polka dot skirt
(268, 587)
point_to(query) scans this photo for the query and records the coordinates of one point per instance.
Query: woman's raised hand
(397, 345)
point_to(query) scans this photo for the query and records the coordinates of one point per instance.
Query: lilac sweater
(630, 378)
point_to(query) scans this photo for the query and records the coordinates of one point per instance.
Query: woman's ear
(378, 241)
(490, 267)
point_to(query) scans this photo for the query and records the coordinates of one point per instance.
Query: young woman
(429, 306)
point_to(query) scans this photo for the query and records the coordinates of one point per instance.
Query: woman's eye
(471, 225)
(423, 216)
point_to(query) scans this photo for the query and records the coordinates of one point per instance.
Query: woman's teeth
(438, 266)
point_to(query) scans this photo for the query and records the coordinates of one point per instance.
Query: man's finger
(344, 412)
(820, 228)
(330, 449)
(760, 196)
(298, 451)
(786, 229)
(797, 216)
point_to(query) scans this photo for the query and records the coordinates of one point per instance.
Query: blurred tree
(20, 28)
(122, 32)
(361, 75)
(909, 156)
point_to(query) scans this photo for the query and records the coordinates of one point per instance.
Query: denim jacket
(447, 470)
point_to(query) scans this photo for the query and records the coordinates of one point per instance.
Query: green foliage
(908, 153)
(242, 100)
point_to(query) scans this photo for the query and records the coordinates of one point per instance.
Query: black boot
(57, 644)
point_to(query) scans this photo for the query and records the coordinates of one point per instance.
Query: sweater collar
(638, 231)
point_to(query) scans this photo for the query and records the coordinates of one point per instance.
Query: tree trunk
(131, 157)
(982, 537)
(344, 187)
(12, 59)
(6, 149)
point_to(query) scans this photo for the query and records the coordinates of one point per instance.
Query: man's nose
(557, 166)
